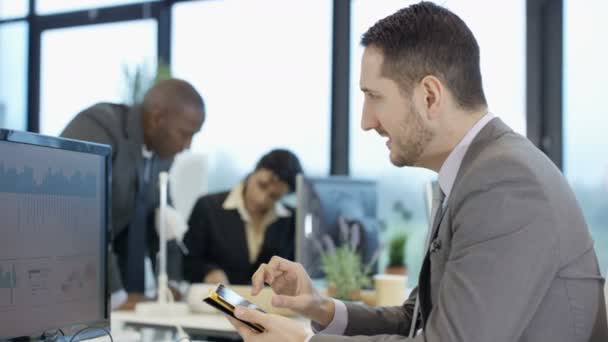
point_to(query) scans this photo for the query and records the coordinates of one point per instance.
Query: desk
(195, 325)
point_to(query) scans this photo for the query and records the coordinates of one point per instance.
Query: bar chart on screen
(54, 218)
(8, 283)
(50, 213)
(41, 203)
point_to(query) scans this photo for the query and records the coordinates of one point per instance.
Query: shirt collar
(449, 169)
(236, 201)
(146, 153)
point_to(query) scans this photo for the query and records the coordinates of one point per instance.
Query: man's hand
(177, 296)
(216, 276)
(132, 300)
(276, 328)
(176, 225)
(294, 290)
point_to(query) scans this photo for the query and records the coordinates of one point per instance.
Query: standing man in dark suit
(144, 139)
(510, 257)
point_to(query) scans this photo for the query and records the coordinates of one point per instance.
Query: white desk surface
(197, 321)
(209, 324)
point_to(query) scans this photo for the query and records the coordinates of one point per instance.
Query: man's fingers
(266, 273)
(289, 268)
(291, 276)
(246, 332)
(257, 280)
(280, 284)
(251, 315)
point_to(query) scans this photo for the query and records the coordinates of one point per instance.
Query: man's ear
(434, 93)
(157, 118)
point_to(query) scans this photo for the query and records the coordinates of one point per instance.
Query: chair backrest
(187, 181)
(606, 294)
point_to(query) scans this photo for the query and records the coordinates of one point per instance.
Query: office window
(57, 6)
(13, 8)
(500, 32)
(13, 75)
(586, 116)
(264, 69)
(84, 65)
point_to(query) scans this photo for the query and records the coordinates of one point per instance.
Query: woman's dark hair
(284, 164)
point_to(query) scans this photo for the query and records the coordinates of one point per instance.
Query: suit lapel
(492, 131)
(239, 236)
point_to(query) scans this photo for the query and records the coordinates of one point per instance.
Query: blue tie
(137, 240)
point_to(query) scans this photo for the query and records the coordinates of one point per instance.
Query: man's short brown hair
(427, 39)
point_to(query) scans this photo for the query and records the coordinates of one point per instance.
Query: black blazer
(216, 240)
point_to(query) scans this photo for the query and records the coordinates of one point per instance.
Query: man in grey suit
(510, 257)
(144, 139)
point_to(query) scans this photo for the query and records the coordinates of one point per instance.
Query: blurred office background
(284, 73)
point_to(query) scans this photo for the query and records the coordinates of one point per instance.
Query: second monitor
(321, 203)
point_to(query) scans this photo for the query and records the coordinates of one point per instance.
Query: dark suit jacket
(216, 240)
(120, 127)
(514, 261)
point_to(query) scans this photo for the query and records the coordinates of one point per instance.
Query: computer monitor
(321, 202)
(54, 227)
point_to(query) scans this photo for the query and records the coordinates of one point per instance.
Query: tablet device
(225, 300)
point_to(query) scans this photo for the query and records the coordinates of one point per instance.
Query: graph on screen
(77, 278)
(41, 201)
(8, 283)
(53, 223)
(50, 220)
(79, 184)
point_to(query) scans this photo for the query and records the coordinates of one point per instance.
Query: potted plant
(344, 273)
(140, 78)
(344, 270)
(396, 255)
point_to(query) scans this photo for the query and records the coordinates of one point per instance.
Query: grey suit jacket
(120, 127)
(516, 261)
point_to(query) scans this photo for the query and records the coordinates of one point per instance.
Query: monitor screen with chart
(54, 228)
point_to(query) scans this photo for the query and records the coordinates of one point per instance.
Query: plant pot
(354, 295)
(400, 270)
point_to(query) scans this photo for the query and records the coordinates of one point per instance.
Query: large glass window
(264, 69)
(13, 75)
(586, 115)
(55, 6)
(500, 32)
(13, 8)
(93, 70)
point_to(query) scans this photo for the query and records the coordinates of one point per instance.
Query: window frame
(544, 64)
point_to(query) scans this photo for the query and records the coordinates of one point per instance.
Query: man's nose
(368, 120)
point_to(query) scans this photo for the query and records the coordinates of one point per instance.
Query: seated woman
(231, 233)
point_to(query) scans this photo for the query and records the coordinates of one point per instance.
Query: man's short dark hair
(174, 94)
(427, 39)
(284, 164)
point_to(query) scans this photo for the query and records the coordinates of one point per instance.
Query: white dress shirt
(255, 234)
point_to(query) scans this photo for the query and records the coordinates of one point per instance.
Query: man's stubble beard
(415, 137)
